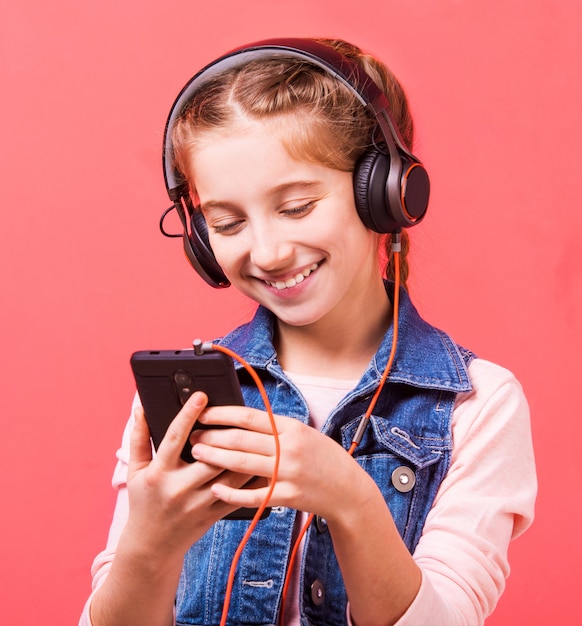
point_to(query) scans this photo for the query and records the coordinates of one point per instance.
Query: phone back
(165, 379)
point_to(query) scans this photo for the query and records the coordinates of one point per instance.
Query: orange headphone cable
(356, 440)
(263, 505)
(365, 419)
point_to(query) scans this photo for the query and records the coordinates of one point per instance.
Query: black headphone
(391, 186)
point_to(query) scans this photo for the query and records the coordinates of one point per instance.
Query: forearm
(139, 591)
(380, 576)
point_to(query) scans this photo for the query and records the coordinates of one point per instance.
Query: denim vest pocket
(407, 465)
(259, 578)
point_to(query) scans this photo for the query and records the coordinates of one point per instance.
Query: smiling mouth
(294, 280)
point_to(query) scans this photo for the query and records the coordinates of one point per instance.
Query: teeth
(295, 280)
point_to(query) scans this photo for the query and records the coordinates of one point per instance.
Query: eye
(226, 227)
(298, 211)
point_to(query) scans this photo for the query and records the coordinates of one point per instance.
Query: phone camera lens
(182, 378)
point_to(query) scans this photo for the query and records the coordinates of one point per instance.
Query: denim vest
(406, 448)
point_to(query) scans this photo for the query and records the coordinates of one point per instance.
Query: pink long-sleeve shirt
(485, 500)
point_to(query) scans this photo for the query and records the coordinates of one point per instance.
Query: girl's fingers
(179, 430)
(235, 439)
(239, 417)
(235, 461)
(248, 498)
(140, 447)
(246, 445)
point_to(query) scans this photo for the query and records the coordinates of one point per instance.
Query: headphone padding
(199, 252)
(370, 180)
(199, 225)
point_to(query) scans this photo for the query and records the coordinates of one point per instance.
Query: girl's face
(285, 232)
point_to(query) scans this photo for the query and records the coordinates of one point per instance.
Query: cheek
(227, 251)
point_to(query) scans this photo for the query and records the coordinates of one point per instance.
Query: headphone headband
(347, 71)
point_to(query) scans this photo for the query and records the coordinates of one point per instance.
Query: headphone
(391, 186)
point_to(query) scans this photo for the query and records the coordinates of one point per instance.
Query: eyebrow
(277, 190)
(299, 185)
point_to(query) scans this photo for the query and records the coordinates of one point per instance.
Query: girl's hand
(315, 473)
(171, 502)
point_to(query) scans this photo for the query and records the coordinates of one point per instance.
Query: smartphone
(165, 379)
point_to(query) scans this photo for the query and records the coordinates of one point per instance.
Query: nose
(270, 250)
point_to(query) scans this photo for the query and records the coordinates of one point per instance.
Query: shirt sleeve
(485, 500)
(102, 562)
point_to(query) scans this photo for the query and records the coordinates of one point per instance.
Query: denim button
(317, 592)
(321, 524)
(403, 479)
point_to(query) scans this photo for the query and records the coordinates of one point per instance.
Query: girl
(277, 157)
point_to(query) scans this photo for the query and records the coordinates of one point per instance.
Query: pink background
(86, 278)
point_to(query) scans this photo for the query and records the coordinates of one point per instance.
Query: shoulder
(492, 384)
(496, 400)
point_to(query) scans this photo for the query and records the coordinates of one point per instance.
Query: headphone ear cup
(390, 200)
(199, 253)
(370, 180)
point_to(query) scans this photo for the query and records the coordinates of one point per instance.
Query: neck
(340, 345)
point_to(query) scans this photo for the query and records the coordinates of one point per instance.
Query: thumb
(140, 447)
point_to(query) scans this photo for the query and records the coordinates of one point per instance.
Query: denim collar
(426, 357)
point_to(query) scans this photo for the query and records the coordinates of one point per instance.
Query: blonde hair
(324, 120)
